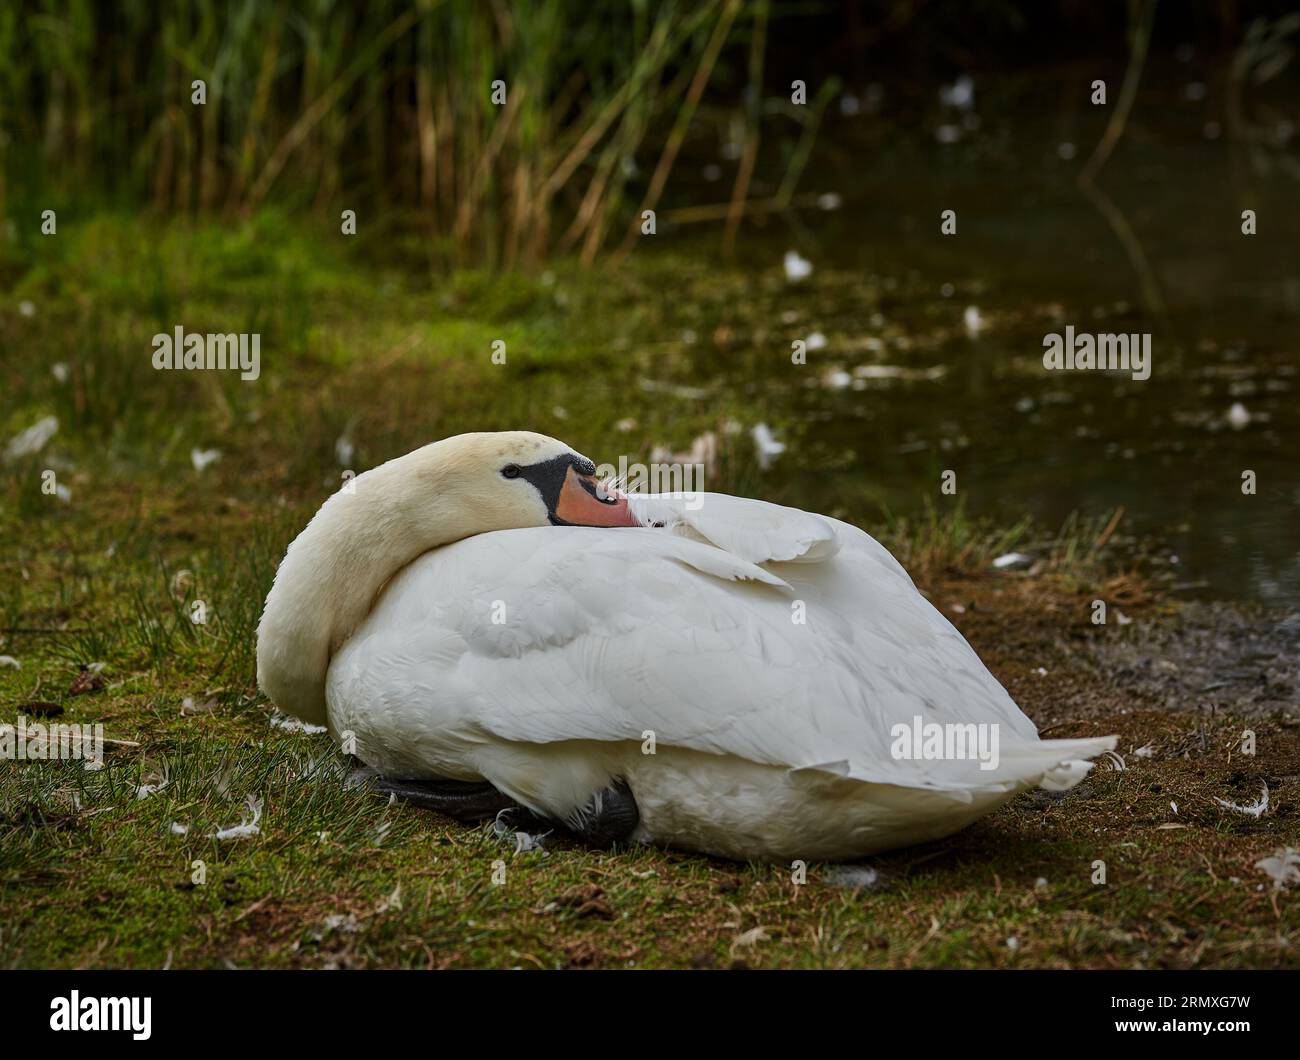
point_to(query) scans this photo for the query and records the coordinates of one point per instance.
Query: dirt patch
(1204, 698)
(1038, 638)
(1210, 655)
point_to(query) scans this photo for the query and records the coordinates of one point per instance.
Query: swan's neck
(336, 567)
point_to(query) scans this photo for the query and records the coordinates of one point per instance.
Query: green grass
(93, 875)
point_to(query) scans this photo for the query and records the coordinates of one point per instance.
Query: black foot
(609, 817)
(466, 801)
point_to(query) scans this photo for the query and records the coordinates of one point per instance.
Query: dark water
(1032, 254)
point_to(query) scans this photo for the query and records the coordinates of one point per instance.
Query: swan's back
(569, 633)
(743, 667)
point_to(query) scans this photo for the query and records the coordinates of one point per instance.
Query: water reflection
(929, 347)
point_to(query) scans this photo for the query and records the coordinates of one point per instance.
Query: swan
(483, 624)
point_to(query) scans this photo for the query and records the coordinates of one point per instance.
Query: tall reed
(378, 106)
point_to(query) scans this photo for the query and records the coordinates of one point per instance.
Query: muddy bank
(1037, 635)
(1180, 684)
(1210, 656)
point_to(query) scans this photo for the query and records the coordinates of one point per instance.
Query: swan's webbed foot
(466, 801)
(609, 817)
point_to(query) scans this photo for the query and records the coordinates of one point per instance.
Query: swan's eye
(510, 471)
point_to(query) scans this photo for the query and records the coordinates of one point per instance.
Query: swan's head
(515, 479)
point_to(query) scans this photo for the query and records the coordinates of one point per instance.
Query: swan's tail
(1057, 764)
(1054, 765)
(937, 799)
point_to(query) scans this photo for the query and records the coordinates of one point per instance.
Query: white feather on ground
(1251, 809)
(287, 724)
(854, 877)
(1283, 866)
(524, 842)
(32, 440)
(766, 447)
(797, 267)
(202, 458)
(248, 825)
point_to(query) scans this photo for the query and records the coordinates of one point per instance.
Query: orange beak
(583, 502)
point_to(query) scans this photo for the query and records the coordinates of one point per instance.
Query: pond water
(939, 365)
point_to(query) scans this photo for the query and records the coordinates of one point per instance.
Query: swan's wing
(557, 634)
(752, 530)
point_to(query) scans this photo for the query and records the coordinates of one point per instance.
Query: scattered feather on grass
(525, 842)
(797, 267)
(749, 939)
(1114, 761)
(203, 458)
(900, 372)
(393, 901)
(854, 877)
(342, 923)
(248, 826)
(288, 724)
(32, 440)
(1283, 866)
(1251, 809)
(766, 447)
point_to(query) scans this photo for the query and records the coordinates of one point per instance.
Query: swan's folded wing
(752, 530)
(588, 634)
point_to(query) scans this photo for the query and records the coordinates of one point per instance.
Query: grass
(92, 874)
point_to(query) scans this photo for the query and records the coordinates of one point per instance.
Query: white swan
(750, 674)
